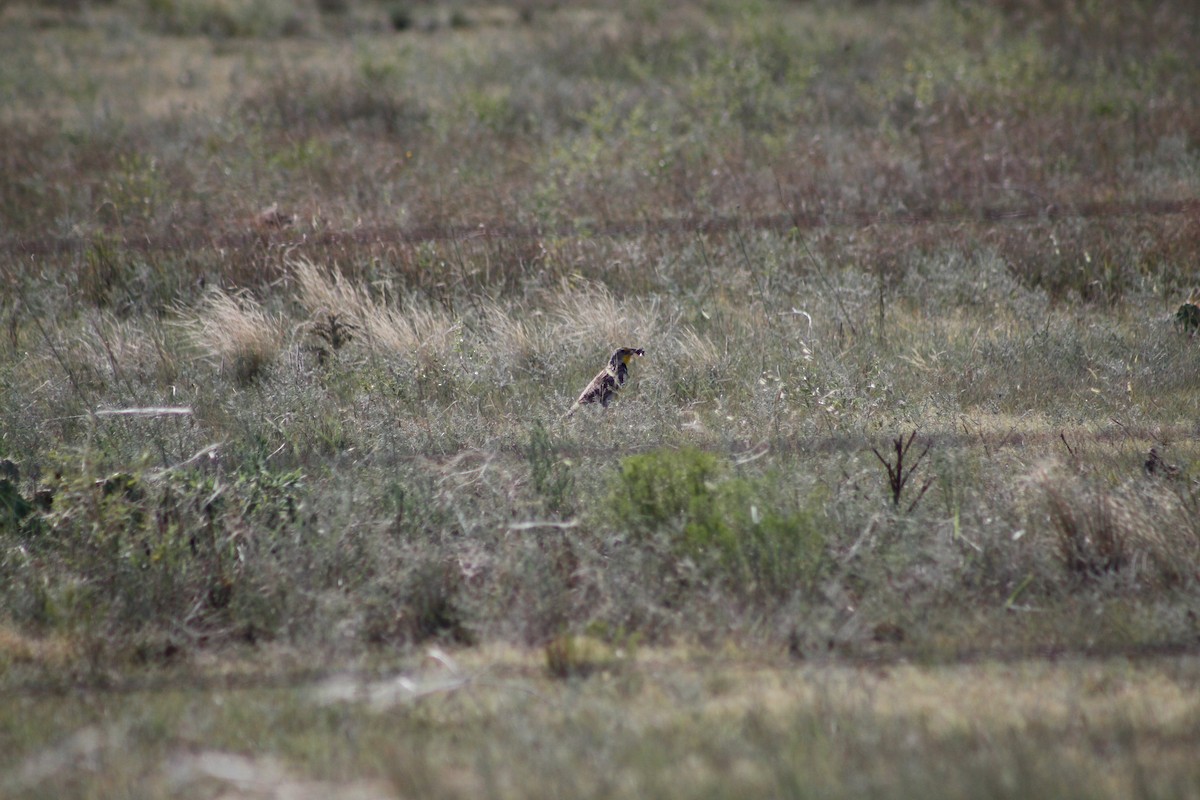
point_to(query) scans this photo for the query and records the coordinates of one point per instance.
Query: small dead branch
(154, 411)
(899, 474)
(1067, 445)
(334, 331)
(535, 524)
(209, 452)
(979, 434)
(753, 454)
(1072, 452)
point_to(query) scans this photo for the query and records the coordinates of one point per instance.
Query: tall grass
(236, 333)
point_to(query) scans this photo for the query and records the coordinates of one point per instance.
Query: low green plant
(1187, 317)
(14, 507)
(135, 190)
(656, 488)
(141, 550)
(733, 525)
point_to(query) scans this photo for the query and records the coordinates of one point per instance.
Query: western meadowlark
(611, 378)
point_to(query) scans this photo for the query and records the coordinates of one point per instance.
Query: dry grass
(590, 314)
(513, 341)
(234, 331)
(414, 333)
(1143, 530)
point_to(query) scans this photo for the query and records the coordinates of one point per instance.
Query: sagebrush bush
(423, 601)
(730, 523)
(15, 508)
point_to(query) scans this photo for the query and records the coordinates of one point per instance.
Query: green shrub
(733, 526)
(656, 488)
(153, 551)
(1187, 318)
(768, 550)
(14, 508)
(569, 656)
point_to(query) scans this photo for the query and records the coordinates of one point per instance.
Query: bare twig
(898, 474)
(151, 411)
(753, 454)
(207, 451)
(534, 524)
(795, 312)
(1066, 444)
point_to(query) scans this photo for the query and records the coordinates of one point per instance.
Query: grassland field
(901, 501)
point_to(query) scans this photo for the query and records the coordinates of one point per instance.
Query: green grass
(326, 438)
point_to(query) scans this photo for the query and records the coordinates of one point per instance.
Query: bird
(1157, 465)
(609, 380)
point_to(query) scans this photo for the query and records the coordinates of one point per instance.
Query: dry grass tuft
(51, 651)
(426, 334)
(325, 292)
(1149, 532)
(127, 350)
(521, 342)
(418, 331)
(593, 315)
(516, 339)
(235, 331)
(697, 350)
(1093, 532)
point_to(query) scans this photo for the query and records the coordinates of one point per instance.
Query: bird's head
(624, 354)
